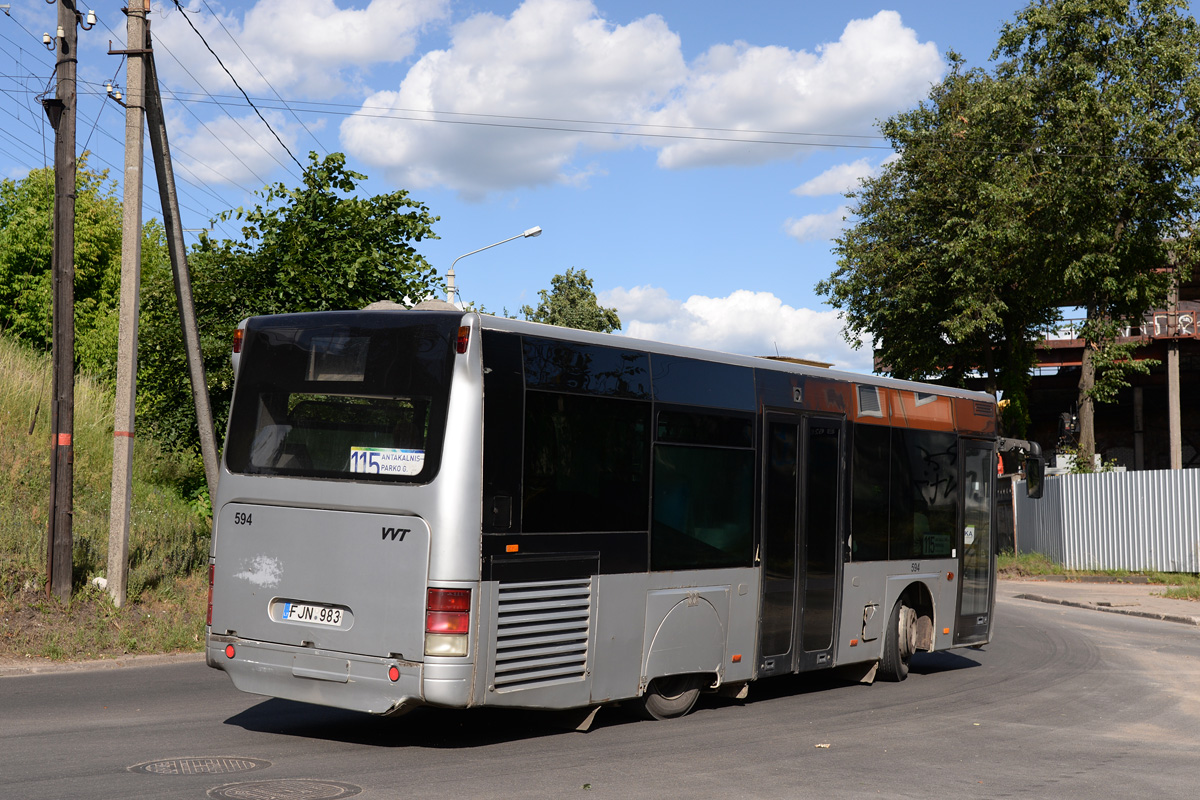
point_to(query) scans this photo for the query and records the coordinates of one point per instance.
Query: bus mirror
(1035, 471)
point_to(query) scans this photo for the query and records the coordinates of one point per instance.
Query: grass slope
(168, 540)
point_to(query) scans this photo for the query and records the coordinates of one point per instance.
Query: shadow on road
(941, 661)
(481, 727)
(422, 727)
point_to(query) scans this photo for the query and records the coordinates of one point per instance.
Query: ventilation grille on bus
(869, 403)
(542, 633)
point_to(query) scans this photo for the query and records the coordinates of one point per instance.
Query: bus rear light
(237, 339)
(229, 651)
(445, 644)
(448, 600)
(211, 568)
(393, 673)
(447, 622)
(464, 337)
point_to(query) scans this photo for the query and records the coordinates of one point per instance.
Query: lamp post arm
(450, 287)
(480, 250)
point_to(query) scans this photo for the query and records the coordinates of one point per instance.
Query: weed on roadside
(1181, 585)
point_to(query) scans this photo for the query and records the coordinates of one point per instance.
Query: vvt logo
(396, 534)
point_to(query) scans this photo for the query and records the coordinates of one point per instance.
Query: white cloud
(876, 66)
(236, 151)
(745, 322)
(308, 48)
(817, 227)
(562, 60)
(551, 59)
(836, 180)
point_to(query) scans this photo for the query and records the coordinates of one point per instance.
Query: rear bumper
(341, 680)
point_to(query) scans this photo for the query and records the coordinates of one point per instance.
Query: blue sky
(621, 128)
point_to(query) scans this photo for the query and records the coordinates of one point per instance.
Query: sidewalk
(1134, 599)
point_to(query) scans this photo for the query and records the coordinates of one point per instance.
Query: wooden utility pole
(131, 273)
(183, 282)
(61, 111)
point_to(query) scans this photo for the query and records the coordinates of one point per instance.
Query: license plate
(308, 612)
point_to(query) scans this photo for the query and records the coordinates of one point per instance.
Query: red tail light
(211, 567)
(464, 337)
(449, 600)
(447, 622)
(448, 611)
(237, 339)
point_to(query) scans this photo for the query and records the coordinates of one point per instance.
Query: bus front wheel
(898, 644)
(670, 696)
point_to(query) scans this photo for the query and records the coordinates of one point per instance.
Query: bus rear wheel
(898, 645)
(670, 696)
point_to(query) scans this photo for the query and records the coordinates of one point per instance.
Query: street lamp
(450, 288)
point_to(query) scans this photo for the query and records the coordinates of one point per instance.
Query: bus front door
(801, 512)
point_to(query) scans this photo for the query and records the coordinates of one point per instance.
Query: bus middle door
(801, 513)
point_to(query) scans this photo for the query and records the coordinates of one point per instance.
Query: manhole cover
(285, 789)
(220, 765)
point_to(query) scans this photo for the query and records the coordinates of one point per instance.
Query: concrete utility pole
(61, 112)
(131, 274)
(183, 282)
(1174, 426)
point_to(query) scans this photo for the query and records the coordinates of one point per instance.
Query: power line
(238, 85)
(204, 125)
(264, 77)
(101, 160)
(1002, 149)
(97, 122)
(612, 127)
(169, 93)
(40, 133)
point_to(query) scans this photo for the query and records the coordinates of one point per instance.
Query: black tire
(897, 643)
(670, 697)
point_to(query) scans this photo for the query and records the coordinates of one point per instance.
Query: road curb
(12, 667)
(1179, 618)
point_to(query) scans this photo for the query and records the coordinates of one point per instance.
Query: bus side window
(924, 494)
(870, 492)
(586, 463)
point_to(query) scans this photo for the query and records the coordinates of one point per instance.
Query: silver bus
(434, 507)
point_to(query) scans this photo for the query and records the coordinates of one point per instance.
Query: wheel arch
(917, 596)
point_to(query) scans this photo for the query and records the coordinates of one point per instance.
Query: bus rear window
(342, 395)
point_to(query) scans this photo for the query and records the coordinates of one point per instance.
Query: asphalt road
(1066, 703)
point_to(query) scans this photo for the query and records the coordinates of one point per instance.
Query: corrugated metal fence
(1146, 520)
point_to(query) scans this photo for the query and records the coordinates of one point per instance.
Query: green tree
(1062, 178)
(1113, 90)
(317, 247)
(571, 303)
(26, 237)
(935, 273)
